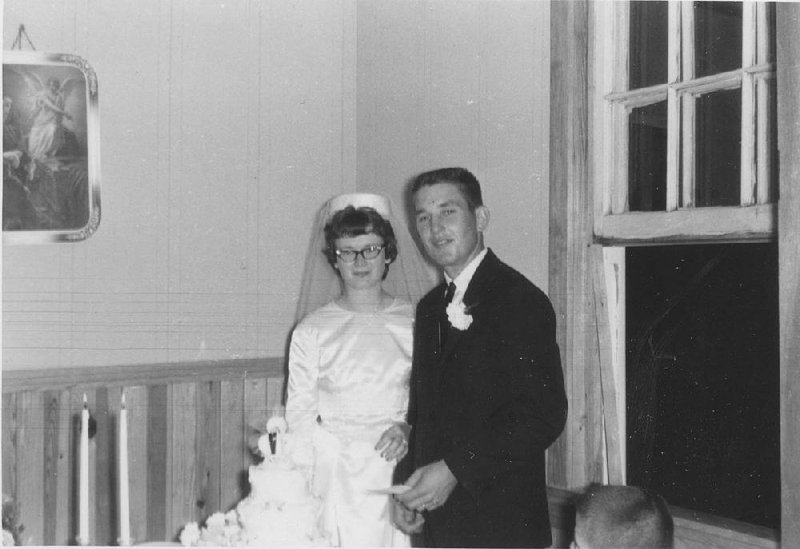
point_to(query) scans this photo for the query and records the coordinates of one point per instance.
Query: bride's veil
(410, 276)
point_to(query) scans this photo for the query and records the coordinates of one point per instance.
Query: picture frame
(51, 148)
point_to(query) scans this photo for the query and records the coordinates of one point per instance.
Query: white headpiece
(409, 276)
(377, 202)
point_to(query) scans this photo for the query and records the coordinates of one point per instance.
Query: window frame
(611, 104)
(614, 229)
(587, 322)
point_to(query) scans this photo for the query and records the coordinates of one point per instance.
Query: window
(685, 134)
(702, 377)
(683, 153)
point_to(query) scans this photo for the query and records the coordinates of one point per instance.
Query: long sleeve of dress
(302, 402)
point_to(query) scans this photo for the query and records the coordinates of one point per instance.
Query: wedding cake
(280, 510)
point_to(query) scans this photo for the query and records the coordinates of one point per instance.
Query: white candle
(83, 527)
(124, 501)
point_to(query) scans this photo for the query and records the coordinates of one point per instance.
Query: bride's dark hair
(350, 222)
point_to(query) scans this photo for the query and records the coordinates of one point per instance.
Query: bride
(350, 362)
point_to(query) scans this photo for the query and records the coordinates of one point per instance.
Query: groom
(487, 391)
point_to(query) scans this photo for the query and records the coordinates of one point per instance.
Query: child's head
(622, 517)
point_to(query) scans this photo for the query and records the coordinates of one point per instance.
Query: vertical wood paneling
(65, 480)
(58, 311)
(183, 439)
(30, 466)
(275, 391)
(570, 232)
(614, 267)
(113, 402)
(208, 448)
(232, 443)
(91, 399)
(612, 448)
(349, 92)
(157, 489)
(559, 28)
(10, 425)
(52, 423)
(187, 454)
(788, 75)
(255, 408)
(255, 414)
(486, 83)
(104, 488)
(137, 404)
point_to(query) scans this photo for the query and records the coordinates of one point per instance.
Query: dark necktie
(448, 295)
(444, 324)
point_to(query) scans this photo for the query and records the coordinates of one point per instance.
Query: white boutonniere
(458, 316)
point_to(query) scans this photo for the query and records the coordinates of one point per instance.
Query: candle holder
(273, 442)
(76, 424)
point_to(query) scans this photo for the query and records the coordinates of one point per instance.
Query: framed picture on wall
(51, 148)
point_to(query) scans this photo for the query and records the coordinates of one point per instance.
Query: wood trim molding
(139, 374)
(717, 224)
(571, 458)
(788, 42)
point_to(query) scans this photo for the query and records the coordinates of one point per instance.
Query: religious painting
(51, 157)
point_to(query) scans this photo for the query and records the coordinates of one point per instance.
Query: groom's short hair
(466, 182)
(623, 517)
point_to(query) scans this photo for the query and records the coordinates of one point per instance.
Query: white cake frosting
(278, 480)
(280, 510)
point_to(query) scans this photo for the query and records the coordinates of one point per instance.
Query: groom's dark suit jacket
(489, 403)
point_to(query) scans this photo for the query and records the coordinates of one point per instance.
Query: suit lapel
(443, 326)
(475, 293)
(434, 325)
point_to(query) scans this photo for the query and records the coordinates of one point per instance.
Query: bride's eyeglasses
(370, 252)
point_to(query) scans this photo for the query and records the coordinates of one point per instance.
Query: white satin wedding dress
(351, 370)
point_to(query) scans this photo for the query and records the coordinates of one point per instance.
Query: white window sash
(613, 107)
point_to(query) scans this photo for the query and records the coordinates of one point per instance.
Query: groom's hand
(408, 521)
(431, 485)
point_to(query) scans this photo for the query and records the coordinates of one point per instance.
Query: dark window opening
(719, 149)
(647, 158)
(649, 37)
(718, 37)
(702, 377)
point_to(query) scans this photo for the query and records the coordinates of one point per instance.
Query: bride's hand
(393, 443)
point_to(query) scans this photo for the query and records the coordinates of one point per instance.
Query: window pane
(718, 37)
(648, 47)
(718, 148)
(702, 377)
(647, 158)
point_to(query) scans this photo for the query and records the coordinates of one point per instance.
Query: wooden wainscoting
(189, 427)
